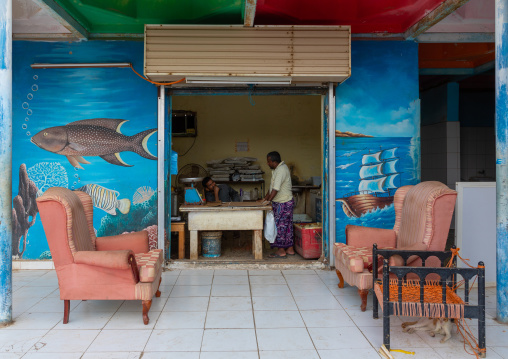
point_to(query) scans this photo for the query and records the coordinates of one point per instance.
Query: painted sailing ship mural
(377, 185)
(377, 137)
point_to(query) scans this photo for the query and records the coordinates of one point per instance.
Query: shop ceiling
(96, 19)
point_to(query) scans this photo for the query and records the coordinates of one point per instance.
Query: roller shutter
(285, 54)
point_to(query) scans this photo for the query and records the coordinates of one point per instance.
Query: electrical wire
(156, 83)
(193, 142)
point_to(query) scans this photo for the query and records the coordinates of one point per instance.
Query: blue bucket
(210, 244)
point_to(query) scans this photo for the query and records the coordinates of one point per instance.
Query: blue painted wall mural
(120, 109)
(87, 129)
(378, 133)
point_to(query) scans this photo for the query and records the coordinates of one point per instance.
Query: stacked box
(308, 239)
(235, 169)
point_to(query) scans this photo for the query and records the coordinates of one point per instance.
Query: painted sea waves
(372, 167)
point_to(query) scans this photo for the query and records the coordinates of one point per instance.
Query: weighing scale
(192, 195)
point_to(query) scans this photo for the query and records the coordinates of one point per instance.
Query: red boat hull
(357, 205)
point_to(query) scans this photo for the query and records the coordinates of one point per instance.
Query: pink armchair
(423, 214)
(115, 267)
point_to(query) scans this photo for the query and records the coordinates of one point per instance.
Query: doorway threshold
(279, 264)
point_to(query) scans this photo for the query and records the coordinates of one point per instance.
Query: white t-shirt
(281, 182)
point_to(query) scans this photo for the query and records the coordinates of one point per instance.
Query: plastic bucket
(210, 244)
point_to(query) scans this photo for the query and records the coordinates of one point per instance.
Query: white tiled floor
(219, 314)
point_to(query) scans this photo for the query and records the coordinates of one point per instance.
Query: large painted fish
(94, 137)
(106, 199)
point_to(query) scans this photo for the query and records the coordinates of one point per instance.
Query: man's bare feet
(290, 251)
(280, 253)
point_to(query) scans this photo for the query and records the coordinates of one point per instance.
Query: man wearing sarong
(281, 196)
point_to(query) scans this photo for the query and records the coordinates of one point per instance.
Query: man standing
(282, 203)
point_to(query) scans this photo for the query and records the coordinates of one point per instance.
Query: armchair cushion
(358, 236)
(105, 259)
(149, 264)
(135, 241)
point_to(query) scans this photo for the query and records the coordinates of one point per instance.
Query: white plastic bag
(270, 230)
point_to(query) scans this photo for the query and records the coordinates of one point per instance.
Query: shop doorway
(243, 125)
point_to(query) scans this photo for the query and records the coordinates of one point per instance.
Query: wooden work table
(231, 216)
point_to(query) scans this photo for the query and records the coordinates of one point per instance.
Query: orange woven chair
(115, 267)
(423, 214)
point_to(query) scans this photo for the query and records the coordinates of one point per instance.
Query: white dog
(433, 325)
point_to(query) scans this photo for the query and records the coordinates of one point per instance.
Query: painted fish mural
(142, 194)
(106, 199)
(93, 137)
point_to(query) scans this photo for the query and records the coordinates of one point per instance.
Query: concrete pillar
(5, 161)
(501, 158)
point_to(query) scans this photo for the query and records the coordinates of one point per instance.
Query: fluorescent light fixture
(238, 80)
(83, 65)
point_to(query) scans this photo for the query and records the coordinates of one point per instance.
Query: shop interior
(207, 130)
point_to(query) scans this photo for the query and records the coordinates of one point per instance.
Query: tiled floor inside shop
(240, 314)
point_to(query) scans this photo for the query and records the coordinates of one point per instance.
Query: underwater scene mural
(377, 133)
(87, 129)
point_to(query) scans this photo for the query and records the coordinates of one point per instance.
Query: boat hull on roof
(357, 205)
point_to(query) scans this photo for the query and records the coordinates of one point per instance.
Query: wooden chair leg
(158, 293)
(67, 307)
(363, 295)
(341, 279)
(146, 307)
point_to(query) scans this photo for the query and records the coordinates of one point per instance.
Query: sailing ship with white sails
(377, 184)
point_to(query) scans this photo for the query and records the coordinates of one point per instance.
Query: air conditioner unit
(184, 123)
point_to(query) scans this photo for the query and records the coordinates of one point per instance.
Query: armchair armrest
(358, 236)
(136, 242)
(105, 259)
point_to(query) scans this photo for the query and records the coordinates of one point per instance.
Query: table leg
(194, 245)
(257, 245)
(181, 244)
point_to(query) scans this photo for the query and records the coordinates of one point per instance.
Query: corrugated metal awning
(236, 54)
